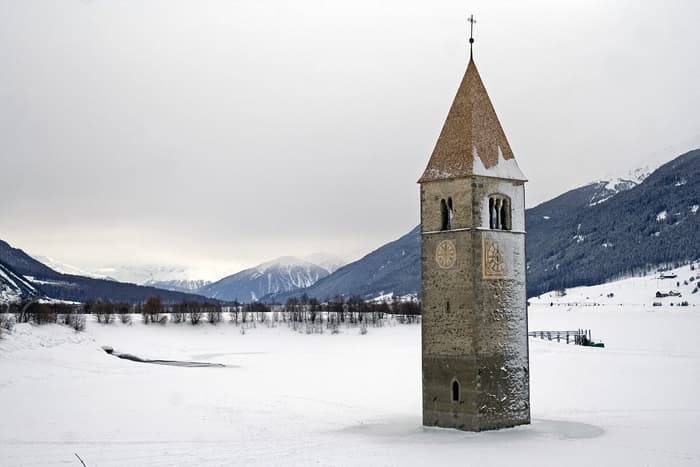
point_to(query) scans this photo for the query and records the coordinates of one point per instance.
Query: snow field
(347, 399)
(637, 293)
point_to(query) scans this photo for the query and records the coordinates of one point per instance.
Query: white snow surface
(504, 168)
(639, 292)
(348, 399)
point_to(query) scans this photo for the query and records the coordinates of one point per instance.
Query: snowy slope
(571, 242)
(679, 285)
(279, 275)
(292, 399)
(13, 287)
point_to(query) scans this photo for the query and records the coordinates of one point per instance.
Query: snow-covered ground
(679, 284)
(347, 399)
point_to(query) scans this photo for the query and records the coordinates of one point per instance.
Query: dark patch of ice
(134, 358)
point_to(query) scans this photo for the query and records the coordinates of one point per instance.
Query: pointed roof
(472, 141)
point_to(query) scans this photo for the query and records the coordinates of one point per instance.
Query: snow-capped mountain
(327, 261)
(608, 187)
(13, 287)
(167, 277)
(64, 268)
(571, 243)
(393, 268)
(279, 275)
(180, 285)
(143, 274)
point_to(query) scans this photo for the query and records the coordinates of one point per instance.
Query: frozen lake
(286, 398)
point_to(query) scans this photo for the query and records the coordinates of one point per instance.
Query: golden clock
(446, 254)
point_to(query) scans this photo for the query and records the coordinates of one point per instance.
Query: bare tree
(178, 313)
(213, 313)
(195, 312)
(152, 310)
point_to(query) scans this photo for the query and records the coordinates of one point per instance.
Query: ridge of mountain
(279, 275)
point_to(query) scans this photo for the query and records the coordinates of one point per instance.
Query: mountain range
(606, 229)
(572, 242)
(57, 285)
(594, 233)
(391, 269)
(280, 275)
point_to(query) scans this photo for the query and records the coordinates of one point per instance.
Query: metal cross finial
(471, 33)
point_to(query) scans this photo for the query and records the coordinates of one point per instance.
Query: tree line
(300, 313)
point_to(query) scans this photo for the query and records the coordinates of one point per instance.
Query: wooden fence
(577, 337)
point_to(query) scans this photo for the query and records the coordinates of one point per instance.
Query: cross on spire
(471, 33)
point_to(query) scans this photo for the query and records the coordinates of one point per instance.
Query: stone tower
(474, 331)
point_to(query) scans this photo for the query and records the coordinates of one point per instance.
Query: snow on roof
(504, 168)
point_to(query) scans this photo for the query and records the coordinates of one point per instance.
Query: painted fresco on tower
(494, 259)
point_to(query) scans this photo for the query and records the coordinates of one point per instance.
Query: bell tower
(474, 328)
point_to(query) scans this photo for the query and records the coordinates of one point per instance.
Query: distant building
(475, 348)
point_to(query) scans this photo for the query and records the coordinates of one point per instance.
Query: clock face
(446, 254)
(494, 262)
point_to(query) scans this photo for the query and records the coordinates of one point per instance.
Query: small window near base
(455, 391)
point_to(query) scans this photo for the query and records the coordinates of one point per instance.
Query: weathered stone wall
(432, 193)
(480, 338)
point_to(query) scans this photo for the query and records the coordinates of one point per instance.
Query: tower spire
(471, 35)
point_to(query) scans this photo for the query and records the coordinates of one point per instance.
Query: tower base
(492, 393)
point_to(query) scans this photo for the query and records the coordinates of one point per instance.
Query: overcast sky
(219, 134)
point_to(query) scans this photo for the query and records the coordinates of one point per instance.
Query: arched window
(446, 214)
(499, 212)
(455, 391)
